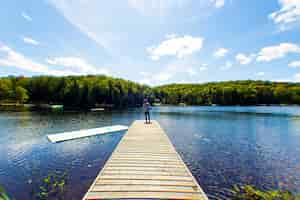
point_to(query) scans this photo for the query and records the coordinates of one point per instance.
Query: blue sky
(152, 41)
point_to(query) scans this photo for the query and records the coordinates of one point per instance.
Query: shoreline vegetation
(248, 192)
(92, 92)
(54, 186)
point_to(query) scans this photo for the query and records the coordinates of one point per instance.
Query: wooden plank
(144, 188)
(142, 182)
(137, 165)
(145, 165)
(145, 154)
(146, 168)
(147, 177)
(149, 162)
(150, 146)
(148, 173)
(144, 195)
(136, 151)
(146, 159)
(153, 156)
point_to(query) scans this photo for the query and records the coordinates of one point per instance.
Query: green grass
(3, 194)
(53, 186)
(248, 192)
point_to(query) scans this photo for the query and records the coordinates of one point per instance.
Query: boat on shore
(97, 109)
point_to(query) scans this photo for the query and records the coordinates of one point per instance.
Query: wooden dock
(145, 165)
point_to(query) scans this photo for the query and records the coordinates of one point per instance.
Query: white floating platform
(85, 133)
(97, 109)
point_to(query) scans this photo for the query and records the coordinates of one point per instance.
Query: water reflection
(232, 148)
(222, 146)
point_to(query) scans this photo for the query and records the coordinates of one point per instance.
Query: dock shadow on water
(222, 147)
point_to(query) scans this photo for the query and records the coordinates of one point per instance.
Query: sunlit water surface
(222, 146)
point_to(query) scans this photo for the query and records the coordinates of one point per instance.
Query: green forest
(72, 91)
(90, 91)
(230, 93)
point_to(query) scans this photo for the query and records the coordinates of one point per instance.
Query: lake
(222, 146)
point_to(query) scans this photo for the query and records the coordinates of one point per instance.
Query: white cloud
(11, 58)
(294, 78)
(227, 66)
(284, 80)
(26, 16)
(171, 70)
(96, 20)
(218, 3)
(168, 72)
(77, 64)
(294, 64)
(164, 76)
(151, 7)
(71, 66)
(203, 68)
(92, 20)
(260, 73)
(221, 52)
(31, 41)
(174, 68)
(297, 77)
(145, 74)
(177, 46)
(164, 8)
(170, 36)
(244, 59)
(182, 81)
(191, 72)
(288, 14)
(167, 7)
(270, 53)
(145, 81)
(146, 78)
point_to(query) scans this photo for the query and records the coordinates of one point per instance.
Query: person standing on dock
(147, 108)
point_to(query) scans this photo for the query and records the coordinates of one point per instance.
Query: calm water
(222, 146)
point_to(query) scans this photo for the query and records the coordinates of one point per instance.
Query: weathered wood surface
(145, 165)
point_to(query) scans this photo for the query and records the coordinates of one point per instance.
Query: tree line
(90, 91)
(72, 91)
(230, 93)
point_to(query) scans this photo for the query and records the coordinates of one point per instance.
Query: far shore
(45, 106)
